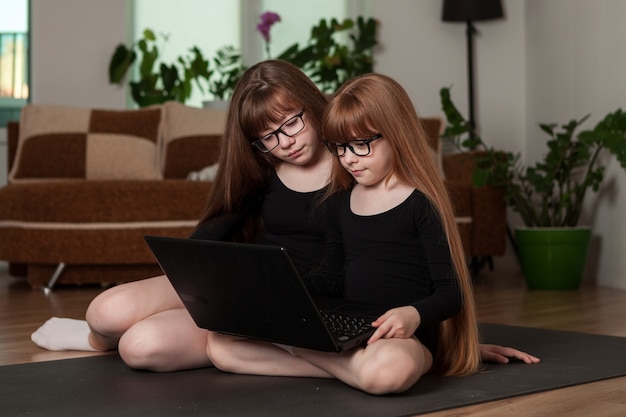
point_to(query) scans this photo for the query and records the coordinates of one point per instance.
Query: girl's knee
(108, 313)
(142, 348)
(390, 372)
(219, 351)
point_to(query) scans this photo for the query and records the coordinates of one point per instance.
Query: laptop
(254, 291)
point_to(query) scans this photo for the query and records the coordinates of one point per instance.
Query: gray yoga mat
(105, 386)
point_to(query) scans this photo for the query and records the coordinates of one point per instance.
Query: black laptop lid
(245, 290)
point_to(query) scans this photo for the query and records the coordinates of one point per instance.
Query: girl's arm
(223, 227)
(431, 270)
(445, 299)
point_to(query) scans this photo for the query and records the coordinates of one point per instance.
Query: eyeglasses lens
(290, 128)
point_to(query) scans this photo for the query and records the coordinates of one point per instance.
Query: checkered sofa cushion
(191, 138)
(58, 142)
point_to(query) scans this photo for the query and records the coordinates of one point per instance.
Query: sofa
(86, 185)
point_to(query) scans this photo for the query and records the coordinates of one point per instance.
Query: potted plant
(548, 195)
(330, 63)
(158, 82)
(228, 70)
(326, 60)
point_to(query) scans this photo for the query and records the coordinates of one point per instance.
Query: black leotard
(396, 258)
(294, 220)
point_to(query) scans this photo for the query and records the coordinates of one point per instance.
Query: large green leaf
(169, 77)
(120, 62)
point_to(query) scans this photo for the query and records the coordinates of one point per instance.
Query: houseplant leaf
(120, 62)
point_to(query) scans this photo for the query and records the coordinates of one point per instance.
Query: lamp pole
(469, 11)
(470, 30)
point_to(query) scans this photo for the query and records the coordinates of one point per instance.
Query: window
(14, 58)
(207, 24)
(212, 24)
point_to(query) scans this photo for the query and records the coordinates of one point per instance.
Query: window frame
(10, 107)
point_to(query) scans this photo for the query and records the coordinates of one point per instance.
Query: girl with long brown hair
(396, 195)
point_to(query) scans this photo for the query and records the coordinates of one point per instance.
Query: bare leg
(386, 366)
(109, 316)
(245, 356)
(117, 309)
(166, 341)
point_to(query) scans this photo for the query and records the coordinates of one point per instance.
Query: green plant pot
(553, 258)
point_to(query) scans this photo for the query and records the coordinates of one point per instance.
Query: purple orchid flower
(267, 21)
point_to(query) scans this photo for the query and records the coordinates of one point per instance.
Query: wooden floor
(501, 298)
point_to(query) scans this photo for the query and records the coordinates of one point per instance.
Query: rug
(105, 386)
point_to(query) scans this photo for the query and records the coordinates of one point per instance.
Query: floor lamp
(470, 11)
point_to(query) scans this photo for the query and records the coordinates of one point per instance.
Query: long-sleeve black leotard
(397, 258)
(291, 219)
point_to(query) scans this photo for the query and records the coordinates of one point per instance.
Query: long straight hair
(266, 93)
(374, 103)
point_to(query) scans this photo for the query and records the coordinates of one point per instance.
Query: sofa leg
(55, 276)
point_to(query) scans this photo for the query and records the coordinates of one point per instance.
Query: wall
(72, 42)
(576, 65)
(424, 54)
(546, 61)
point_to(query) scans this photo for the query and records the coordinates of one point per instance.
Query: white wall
(424, 54)
(546, 61)
(576, 65)
(72, 42)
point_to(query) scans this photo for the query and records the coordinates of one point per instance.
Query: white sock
(63, 334)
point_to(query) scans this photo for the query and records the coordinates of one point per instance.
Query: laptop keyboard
(345, 326)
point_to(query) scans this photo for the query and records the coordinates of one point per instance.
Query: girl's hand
(501, 354)
(398, 322)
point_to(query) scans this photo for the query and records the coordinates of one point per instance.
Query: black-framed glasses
(290, 128)
(359, 147)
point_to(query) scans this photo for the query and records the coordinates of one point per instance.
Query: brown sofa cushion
(87, 144)
(190, 138)
(97, 222)
(102, 203)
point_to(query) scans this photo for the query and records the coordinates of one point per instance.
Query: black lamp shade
(471, 10)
